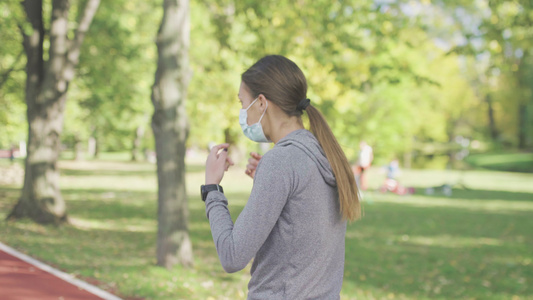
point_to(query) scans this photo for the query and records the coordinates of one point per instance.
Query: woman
(294, 223)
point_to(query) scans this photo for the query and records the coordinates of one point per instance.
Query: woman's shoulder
(286, 158)
(278, 154)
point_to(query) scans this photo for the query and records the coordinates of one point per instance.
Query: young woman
(304, 191)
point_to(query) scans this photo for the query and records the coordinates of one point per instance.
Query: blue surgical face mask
(254, 131)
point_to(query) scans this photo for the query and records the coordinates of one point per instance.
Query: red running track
(20, 280)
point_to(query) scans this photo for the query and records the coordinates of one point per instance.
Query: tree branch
(5, 76)
(83, 26)
(22, 33)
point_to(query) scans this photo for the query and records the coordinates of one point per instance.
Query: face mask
(254, 131)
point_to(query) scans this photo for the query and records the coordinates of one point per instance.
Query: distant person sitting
(391, 184)
(364, 160)
(393, 169)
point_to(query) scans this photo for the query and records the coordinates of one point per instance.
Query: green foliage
(110, 96)
(12, 113)
(366, 64)
(213, 103)
(475, 244)
(379, 71)
(498, 34)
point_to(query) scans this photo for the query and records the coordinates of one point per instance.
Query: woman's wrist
(210, 180)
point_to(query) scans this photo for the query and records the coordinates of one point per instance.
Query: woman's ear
(263, 102)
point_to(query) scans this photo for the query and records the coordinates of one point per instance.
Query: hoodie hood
(307, 142)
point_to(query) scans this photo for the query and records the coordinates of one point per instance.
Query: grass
(476, 244)
(516, 162)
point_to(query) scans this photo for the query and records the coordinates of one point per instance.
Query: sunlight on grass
(130, 224)
(479, 180)
(472, 204)
(450, 241)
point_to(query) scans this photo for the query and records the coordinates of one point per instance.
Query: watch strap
(205, 189)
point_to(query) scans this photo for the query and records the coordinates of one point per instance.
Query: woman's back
(291, 225)
(303, 257)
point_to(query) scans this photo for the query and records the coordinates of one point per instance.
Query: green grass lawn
(516, 162)
(476, 244)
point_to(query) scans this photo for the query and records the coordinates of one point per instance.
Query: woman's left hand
(217, 163)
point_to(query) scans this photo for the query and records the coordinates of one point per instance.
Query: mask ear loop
(251, 104)
(263, 112)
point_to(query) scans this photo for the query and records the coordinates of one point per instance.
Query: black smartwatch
(205, 189)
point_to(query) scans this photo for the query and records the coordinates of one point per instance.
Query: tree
(170, 127)
(107, 99)
(47, 84)
(509, 40)
(497, 34)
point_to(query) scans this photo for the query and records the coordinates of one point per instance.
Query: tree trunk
(139, 133)
(92, 147)
(524, 79)
(492, 123)
(78, 148)
(46, 94)
(522, 126)
(170, 127)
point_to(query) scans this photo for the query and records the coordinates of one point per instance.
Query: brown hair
(281, 81)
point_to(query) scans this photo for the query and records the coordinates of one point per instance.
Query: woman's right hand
(217, 163)
(253, 161)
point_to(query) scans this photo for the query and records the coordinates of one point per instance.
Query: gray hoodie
(291, 225)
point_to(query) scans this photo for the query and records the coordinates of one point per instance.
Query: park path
(24, 278)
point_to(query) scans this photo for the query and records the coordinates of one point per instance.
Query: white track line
(66, 277)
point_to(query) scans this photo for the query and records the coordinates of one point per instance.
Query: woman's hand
(217, 163)
(252, 164)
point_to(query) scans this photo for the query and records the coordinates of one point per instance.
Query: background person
(364, 161)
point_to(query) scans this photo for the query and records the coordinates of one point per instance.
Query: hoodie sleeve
(238, 243)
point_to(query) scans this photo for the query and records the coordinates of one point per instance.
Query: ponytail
(350, 206)
(281, 81)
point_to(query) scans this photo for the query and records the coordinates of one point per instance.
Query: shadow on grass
(110, 210)
(9, 192)
(515, 167)
(8, 198)
(512, 162)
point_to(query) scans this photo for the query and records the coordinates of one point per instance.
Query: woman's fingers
(250, 173)
(217, 163)
(256, 155)
(253, 161)
(230, 161)
(217, 148)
